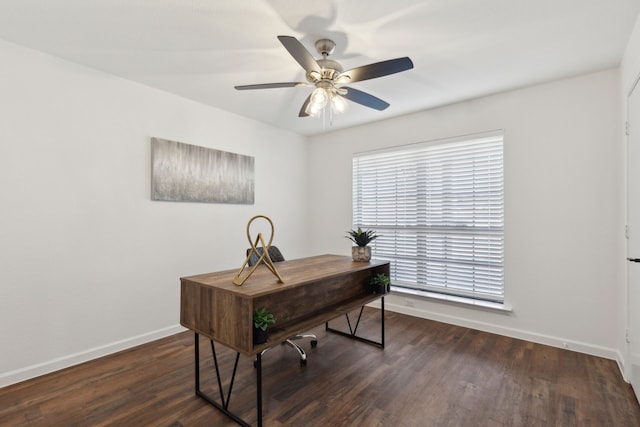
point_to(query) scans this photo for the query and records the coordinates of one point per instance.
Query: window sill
(495, 306)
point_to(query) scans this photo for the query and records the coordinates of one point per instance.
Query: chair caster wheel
(303, 362)
(314, 343)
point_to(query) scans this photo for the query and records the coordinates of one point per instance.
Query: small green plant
(380, 283)
(361, 238)
(262, 319)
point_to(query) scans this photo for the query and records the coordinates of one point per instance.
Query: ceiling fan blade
(299, 53)
(377, 69)
(303, 109)
(272, 85)
(365, 99)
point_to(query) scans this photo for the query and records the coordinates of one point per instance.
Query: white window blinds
(438, 210)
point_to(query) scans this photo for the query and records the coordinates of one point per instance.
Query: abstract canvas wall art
(189, 173)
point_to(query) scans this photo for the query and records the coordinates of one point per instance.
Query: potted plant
(361, 252)
(261, 321)
(380, 283)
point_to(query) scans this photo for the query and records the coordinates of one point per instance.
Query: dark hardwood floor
(429, 374)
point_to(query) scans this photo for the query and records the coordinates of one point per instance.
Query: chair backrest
(274, 254)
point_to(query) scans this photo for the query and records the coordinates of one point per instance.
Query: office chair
(276, 256)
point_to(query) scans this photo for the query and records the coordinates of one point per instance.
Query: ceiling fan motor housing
(329, 70)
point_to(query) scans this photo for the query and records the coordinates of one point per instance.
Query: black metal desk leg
(352, 331)
(259, 388)
(197, 362)
(382, 319)
(223, 405)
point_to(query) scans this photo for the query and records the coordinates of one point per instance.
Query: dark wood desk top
(297, 272)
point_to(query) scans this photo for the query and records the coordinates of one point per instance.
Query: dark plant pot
(361, 253)
(380, 289)
(259, 336)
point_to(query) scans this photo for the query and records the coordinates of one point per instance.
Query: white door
(633, 241)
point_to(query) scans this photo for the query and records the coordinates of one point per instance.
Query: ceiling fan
(329, 78)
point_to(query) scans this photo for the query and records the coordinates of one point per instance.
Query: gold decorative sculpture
(263, 258)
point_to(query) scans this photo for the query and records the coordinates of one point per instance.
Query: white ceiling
(201, 49)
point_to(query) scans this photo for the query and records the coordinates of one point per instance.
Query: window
(438, 210)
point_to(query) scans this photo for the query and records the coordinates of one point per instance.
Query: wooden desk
(315, 290)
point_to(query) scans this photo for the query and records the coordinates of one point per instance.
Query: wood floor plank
(429, 374)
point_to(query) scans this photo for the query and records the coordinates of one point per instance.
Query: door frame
(628, 366)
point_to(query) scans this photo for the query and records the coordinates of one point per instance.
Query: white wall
(562, 222)
(89, 264)
(630, 66)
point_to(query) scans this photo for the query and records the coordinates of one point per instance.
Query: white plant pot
(361, 253)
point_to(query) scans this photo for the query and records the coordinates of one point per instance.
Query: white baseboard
(22, 374)
(554, 341)
(622, 366)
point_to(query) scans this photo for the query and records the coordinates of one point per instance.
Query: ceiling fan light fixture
(314, 110)
(318, 100)
(338, 104)
(325, 97)
(319, 96)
